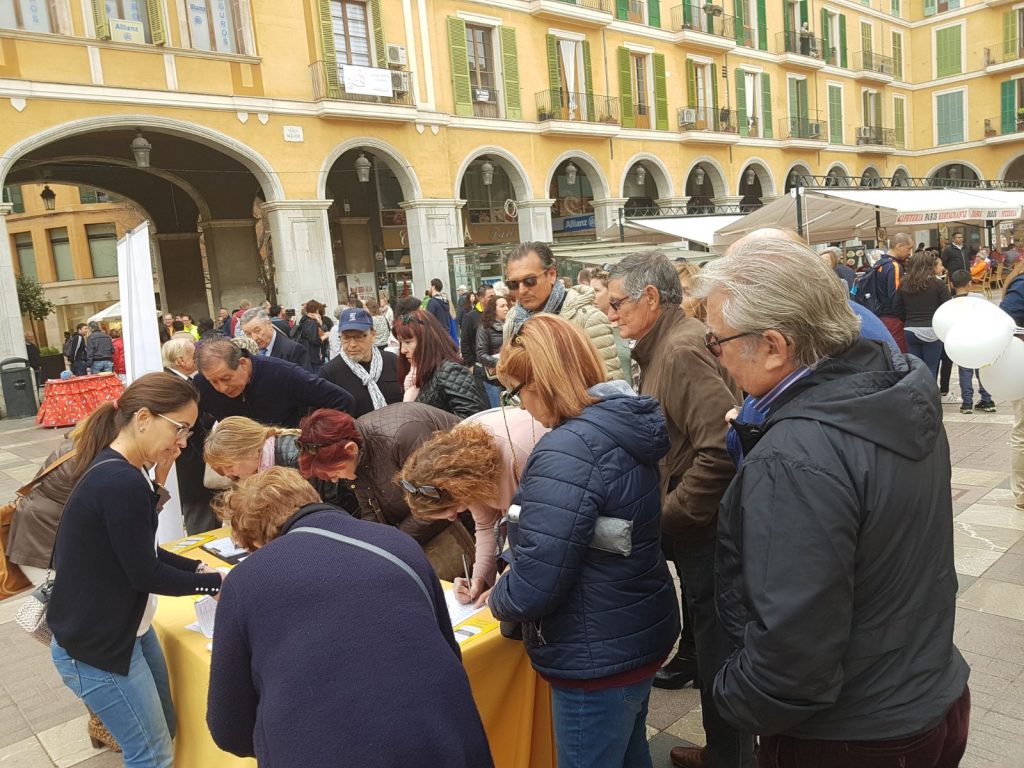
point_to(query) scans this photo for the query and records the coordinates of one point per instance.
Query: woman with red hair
(366, 454)
(431, 367)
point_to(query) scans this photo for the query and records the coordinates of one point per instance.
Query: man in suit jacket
(279, 318)
(257, 326)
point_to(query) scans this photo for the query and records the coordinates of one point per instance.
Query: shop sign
(367, 81)
(122, 31)
(573, 223)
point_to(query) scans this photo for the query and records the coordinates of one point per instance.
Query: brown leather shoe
(688, 757)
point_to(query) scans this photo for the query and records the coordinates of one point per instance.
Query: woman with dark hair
(108, 569)
(921, 293)
(431, 368)
(488, 344)
(312, 333)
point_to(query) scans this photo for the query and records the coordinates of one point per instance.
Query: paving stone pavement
(42, 725)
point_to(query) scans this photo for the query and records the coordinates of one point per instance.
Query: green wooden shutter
(691, 84)
(739, 29)
(787, 25)
(554, 76)
(824, 36)
(948, 51)
(803, 11)
(929, 7)
(762, 26)
(330, 61)
(626, 88)
(741, 102)
(1010, 34)
(714, 88)
(510, 68)
(157, 29)
(835, 114)
(793, 107)
(866, 41)
(378, 34)
(660, 93)
(687, 14)
(949, 109)
(766, 106)
(801, 100)
(622, 9)
(99, 20)
(654, 13)
(899, 121)
(588, 82)
(462, 91)
(1008, 106)
(842, 39)
(897, 55)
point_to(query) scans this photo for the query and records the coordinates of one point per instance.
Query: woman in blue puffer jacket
(588, 580)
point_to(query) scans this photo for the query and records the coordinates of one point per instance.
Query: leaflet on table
(190, 542)
(459, 612)
(206, 613)
(225, 549)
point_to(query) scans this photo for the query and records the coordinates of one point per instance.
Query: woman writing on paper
(477, 467)
(319, 581)
(108, 568)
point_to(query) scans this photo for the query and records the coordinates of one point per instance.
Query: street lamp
(362, 169)
(141, 149)
(570, 173)
(487, 172)
(49, 197)
(641, 175)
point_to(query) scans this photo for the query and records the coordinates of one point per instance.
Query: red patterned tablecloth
(68, 401)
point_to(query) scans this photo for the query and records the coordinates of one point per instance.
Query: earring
(141, 430)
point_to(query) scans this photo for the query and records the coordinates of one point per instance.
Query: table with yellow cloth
(514, 702)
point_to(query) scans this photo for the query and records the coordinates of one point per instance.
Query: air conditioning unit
(397, 56)
(400, 82)
(687, 117)
(865, 132)
(814, 130)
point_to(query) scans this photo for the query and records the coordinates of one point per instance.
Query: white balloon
(1004, 379)
(953, 311)
(976, 340)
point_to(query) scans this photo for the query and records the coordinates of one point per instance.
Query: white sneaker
(952, 399)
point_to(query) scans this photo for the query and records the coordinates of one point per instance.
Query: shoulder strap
(377, 551)
(70, 495)
(26, 489)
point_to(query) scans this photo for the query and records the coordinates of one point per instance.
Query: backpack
(866, 289)
(69, 347)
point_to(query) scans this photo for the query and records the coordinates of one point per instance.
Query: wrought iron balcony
(1010, 53)
(875, 136)
(486, 102)
(869, 61)
(1005, 125)
(557, 104)
(720, 120)
(808, 127)
(801, 42)
(707, 18)
(330, 82)
(594, 5)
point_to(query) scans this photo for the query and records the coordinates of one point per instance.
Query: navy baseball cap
(355, 320)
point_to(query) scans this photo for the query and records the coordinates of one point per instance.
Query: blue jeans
(493, 393)
(102, 366)
(967, 386)
(930, 352)
(136, 708)
(602, 729)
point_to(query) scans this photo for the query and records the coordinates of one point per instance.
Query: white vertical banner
(142, 343)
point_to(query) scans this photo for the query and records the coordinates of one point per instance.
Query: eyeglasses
(184, 431)
(310, 448)
(421, 490)
(714, 344)
(529, 282)
(619, 302)
(511, 397)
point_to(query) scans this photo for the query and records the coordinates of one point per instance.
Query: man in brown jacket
(694, 392)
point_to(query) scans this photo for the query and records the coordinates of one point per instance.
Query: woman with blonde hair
(477, 467)
(599, 282)
(597, 624)
(691, 306)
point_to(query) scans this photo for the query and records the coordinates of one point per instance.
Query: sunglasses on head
(409, 319)
(530, 282)
(310, 448)
(421, 490)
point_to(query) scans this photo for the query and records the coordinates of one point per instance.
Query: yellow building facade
(373, 136)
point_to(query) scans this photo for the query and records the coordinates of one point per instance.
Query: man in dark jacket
(438, 305)
(835, 574)
(267, 390)
(99, 350)
(468, 327)
(74, 350)
(280, 319)
(362, 369)
(889, 273)
(694, 392)
(272, 343)
(956, 255)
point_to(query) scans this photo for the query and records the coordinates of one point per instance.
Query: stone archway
(838, 175)
(646, 181)
(579, 189)
(755, 183)
(495, 188)
(870, 177)
(798, 172)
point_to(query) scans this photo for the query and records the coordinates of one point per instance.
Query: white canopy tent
(113, 312)
(839, 214)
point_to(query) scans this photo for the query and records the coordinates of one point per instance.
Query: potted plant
(544, 113)
(1020, 118)
(610, 119)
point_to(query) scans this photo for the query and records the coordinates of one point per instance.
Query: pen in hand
(466, 584)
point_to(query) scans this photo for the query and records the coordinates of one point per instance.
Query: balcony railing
(486, 102)
(1001, 54)
(1004, 126)
(803, 127)
(720, 120)
(870, 61)
(709, 19)
(556, 104)
(594, 5)
(399, 82)
(804, 43)
(876, 136)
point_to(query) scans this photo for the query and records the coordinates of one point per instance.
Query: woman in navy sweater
(108, 568)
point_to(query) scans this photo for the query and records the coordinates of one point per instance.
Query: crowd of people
(766, 438)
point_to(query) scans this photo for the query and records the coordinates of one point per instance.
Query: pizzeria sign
(958, 214)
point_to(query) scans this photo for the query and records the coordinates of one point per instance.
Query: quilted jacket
(589, 613)
(454, 389)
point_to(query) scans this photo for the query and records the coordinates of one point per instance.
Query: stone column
(606, 213)
(301, 239)
(231, 257)
(535, 220)
(677, 203)
(12, 339)
(434, 225)
(182, 284)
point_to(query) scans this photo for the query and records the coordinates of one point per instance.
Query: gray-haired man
(257, 326)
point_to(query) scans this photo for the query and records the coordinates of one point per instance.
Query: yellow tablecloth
(514, 703)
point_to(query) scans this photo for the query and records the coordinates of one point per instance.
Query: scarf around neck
(369, 378)
(551, 307)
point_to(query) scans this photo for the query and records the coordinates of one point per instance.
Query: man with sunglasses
(531, 276)
(679, 371)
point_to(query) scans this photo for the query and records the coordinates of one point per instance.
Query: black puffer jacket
(454, 389)
(488, 343)
(834, 570)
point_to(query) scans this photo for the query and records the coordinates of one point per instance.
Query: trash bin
(19, 388)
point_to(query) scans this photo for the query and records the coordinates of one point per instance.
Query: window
(872, 108)
(949, 117)
(750, 100)
(894, 8)
(641, 91)
(29, 15)
(133, 17)
(214, 25)
(752, 94)
(102, 249)
(90, 196)
(799, 125)
(931, 7)
(897, 55)
(835, 114)
(26, 255)
(636, 11)
(866, 44)
(350, 24)
(573, 79)
(482, 75)
(13, 196)
(948, 51)
(1013, 34)
(899, 120)
(752, 34)
(60, 247)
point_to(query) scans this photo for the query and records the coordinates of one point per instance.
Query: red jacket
(119, 355)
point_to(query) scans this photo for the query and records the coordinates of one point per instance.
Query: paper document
(206, 612)
(457, 611)
(225, 549)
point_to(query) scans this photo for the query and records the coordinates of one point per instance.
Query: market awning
(663, 229)
(113, 312)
